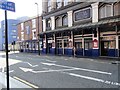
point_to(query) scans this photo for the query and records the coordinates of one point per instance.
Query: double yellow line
(25, 82)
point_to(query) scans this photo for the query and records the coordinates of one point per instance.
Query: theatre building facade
(81, 28)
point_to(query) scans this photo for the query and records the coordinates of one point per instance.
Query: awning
(82, 26)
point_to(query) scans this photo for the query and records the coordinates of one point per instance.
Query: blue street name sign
(9, 6)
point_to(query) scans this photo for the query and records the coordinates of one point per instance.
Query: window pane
(108, 11)
(48, 23)
(22, 26)
(86, 46)
(102, 12)
(49, 5)
(59, 3)
(59, 22)
(117, 9)
(65, 2)
(34, 23)
(65, 20)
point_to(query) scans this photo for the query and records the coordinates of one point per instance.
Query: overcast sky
(23, 8)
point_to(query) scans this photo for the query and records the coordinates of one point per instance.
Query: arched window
(58, 21)
(65, 20)
(48, 23)
(106, 11)
(117, 9)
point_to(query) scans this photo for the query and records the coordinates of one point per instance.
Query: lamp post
(38, 28)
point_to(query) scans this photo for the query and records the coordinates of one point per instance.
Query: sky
(23, 8)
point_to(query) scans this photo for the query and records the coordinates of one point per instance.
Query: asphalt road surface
(47, 71)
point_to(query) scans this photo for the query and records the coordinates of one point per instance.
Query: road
(47, 71)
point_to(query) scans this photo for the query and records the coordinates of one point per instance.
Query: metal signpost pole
(6, 46)
(38, 29)
(38, 37)
(7, 6)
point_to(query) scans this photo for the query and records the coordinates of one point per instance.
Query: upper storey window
(33, 23)
(65, 20)
(58, 21)
(49, 5)
(49, 23)
(105, 11)
(65, 2)
(59, 3)
(117, 9)
(22, 26)
(77, 0)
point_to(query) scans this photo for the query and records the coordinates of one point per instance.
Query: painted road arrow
(82, 69)
(25, 69)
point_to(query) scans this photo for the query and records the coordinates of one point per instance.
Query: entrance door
(78, 48)
(59, 49)
(104, 48)
(49, 46)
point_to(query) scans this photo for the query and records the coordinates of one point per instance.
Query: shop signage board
(83, 14)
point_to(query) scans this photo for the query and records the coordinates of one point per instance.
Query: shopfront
(88, 46)
(78, 47)
(49, 46)
(78, 43)
(108, 41)
(108, 46)
(88, 41)
(119, 46)
(59, 50)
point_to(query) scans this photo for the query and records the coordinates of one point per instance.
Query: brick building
(28, 34)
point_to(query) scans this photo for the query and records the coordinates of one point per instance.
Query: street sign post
(7, 6)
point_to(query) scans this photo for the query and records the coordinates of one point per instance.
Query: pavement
(13, 82)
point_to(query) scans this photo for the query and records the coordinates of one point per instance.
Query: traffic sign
(9, 6)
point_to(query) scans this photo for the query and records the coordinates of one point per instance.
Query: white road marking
(25, 69)
(93, 79)
(30, 64)
(45, 71)
(31, 70)
(11, 71)
(82, 69)
(49, 64)
(49, 60)
(29, 84)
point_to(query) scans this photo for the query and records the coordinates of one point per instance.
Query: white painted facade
(95, 12)
(70, 18)
(53, 22)
(44, 25)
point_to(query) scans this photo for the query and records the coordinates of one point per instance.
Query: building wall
(28, 34)
(86, 19)
(12, 31)
(0, 39)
